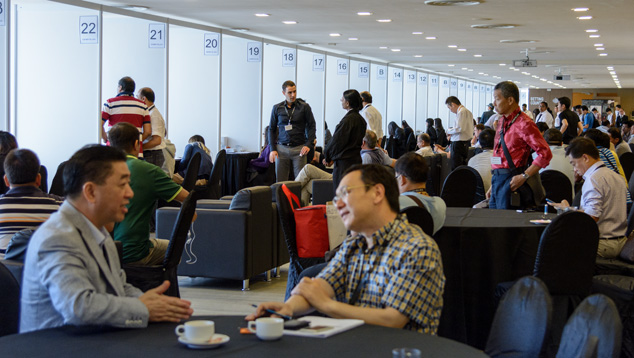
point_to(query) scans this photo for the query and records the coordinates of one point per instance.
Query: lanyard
(503, 130)
(290, 116)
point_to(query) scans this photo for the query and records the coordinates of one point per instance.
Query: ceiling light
(592, 30)
(452, 46)
(334, 34)
(352, 38)
(289, 22)
(516, 69)
(603, 54)
(598, 45)
(477, 55)
(306, 43)
(383, 47)
(240, 29)
(417, 33)
(462, 49)
(430, 38)
(511, 68)
(494, 26)
(594, 36)
(452, 2)
(418, 56)
(134, 7)
(580, 9)
(451, 65)
(613, 72)
(584, 17)
(396, 50)
(470, 70)
(262, 15)
(384, 20)
(464, 68)
(364, 13)
(599, 48)
(543, 79)
(502, 64)
(480, 73)
(610, 68)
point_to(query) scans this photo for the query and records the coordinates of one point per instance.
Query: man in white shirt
(154, 144)
(602, 196)
(482, 161)
(558, 162)
(372, 116)
(424, 145)
(528, 113)
(544, 115)
(461, 133)
(609, 116)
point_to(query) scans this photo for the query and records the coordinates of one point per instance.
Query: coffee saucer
(216, 341)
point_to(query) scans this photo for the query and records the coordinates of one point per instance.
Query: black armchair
(459, 189)
(213, 188)
(9, 302)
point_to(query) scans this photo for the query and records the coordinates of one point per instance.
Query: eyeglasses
(343, 193)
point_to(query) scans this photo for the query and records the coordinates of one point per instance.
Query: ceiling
(558, 39)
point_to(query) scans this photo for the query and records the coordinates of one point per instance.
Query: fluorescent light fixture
(594, 36)
(470, 70)
(383, 47)
(353, 38)
(613, 72)
(502, 64)
(464, 68)
(480, 73)
(584, 17)
(430, 38)
(599, 48)
(592, 30)
(396, 50)
(477, 55)
(417, 33)
(384, 20)
(334, 34)
(364, 13)
(462, 49)
(418, 56)
(453, 46)
(598, 45)
(580, 9)
(262, 15)
(289, 22)
(610, 68)
(603, 54)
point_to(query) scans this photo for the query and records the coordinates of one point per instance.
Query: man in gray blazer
(72, 273)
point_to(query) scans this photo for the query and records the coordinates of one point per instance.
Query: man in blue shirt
(588, 118)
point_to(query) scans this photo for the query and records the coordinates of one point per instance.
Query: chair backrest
(459, 188)
(287, 220)
(214, 184)
(567, 253)
(419, 215)
(528, 302)
(557, 185)
(630, 222)
(411, 142)
(323, 191)
(596, 317)
(180, 231)
(627, 162)
(57, 185)
(294, 186)
(9, 302)
(480, 193)
(44, 183)
(631, 147)
(192, 172)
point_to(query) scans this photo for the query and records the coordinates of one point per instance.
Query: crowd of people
(388, 272)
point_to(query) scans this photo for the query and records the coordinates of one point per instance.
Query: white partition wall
(432, 96)
(311, 74)
(489, 97)
(422, 80)
(194, 83)
(409, 99)
(127, 52)
(337, 69)
(469, 97)
(476, 99)
(46, 72)
(462, 92)
(378, 89)
(4, 80)
(360, 75)
(394, 95)
(279, 66)
(483, 99)
(241, 84)
(443, 92)
(453, 86)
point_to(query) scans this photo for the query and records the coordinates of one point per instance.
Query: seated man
(620, 146)
(475, 141)
(424, 145)
(602, 196)
(24, 206)
(371, 154)
(559, 162)
(388, 273)
(411, 178)
(71, 273)
(306, 176)
(149, 184)
(482, 161)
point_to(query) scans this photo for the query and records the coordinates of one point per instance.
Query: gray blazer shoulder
(68, 280)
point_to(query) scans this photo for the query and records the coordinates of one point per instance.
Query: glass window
(310, 87)
(194, 82)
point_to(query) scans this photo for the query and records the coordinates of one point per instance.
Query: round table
(159, 340)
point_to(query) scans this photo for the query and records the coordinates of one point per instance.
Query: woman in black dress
(441, 136)
(431, 132)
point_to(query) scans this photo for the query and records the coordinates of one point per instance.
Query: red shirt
(520, 138)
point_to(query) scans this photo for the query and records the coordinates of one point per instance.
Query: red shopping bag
(311, 227)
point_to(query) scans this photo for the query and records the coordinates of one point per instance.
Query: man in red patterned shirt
(126, 108)
(520, 135)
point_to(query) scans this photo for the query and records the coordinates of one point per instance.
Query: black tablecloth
(159, 340)
(481, 248)
(234, 174)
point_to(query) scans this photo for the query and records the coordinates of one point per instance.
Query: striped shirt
(403, 270)
(24, 207)
(125, 108)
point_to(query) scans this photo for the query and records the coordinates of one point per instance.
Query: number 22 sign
(88, 29)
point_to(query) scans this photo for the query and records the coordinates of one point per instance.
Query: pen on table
(276, 313)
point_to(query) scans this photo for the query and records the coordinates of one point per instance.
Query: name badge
(288, 127)
(496, 160)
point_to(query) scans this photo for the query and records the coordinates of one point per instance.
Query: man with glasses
(388, 272)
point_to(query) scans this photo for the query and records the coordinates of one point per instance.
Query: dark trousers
(459, 153)
(340, 167)
(501, 189)
(155, 157)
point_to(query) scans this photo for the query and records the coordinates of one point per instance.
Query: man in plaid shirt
(388, 272)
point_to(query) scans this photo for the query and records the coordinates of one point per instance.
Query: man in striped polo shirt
(24, 206)
(126, 108)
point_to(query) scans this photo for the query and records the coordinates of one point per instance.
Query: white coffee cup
(267, 328)
(196, 331)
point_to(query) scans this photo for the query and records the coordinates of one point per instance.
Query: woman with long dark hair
(7, 144)
(441, 136)
(344, 149)
(396, 141)
(431, 132)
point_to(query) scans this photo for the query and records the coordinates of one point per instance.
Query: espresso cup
(196, 331)
(267, 328)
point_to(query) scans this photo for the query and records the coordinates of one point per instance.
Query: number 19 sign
(156, 36)
(88, 29)
(254, 52)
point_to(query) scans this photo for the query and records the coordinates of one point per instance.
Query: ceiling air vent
(453, 2)
(494, 26)
(518, 41)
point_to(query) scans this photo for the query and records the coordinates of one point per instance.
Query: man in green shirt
(148, 183)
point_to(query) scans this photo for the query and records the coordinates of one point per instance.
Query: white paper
(254, 52)
(364, 70)
(212, 44)
(338, 326)
(88, 29)
(156, 35)
(381, 73)
(342, 67)
(318, 63)
(336, 229)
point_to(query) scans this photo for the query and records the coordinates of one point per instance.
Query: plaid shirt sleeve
(336, 270)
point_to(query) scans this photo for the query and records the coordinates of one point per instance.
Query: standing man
(544, 115)
(461, 133)
(294, 119)
(72, 273)
(125, 108)
(372, 116)
(527, 112)
(488, 113)
(618, 122)
(570, 124)
(520, 135)
(588, 118)
(609, 116)
(153, 146)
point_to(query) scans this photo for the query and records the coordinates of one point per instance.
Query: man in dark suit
(487, 114)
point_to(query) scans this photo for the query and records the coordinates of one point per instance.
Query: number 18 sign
(88, 29)
(3, 11)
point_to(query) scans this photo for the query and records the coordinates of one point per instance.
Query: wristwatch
(525, 176)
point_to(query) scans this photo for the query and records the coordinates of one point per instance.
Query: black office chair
(627, 162)
(57, 185)
(621, 290)
(148, 277)
(419, 215)
(459, 189)
(557, 186)
(9, 302)
(44, 182)
(287, 221)
(521, 320)
(480, 193)
(593, 330)
(213, 188)
(191, 174)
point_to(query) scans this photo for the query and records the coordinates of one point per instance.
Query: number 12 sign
(88, 29)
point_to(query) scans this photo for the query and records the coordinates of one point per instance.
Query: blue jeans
(501, 189)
